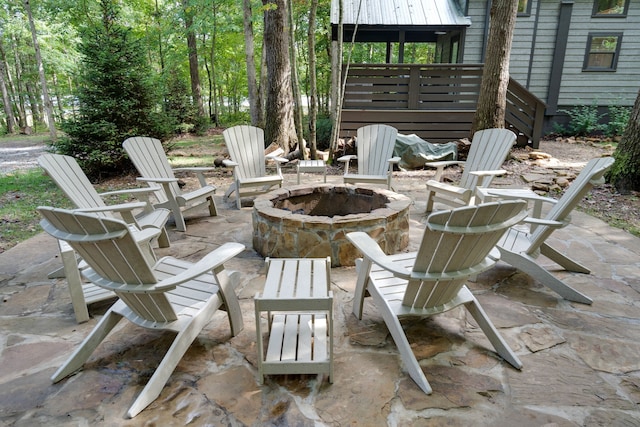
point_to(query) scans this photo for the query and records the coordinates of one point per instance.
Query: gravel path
(19, 155)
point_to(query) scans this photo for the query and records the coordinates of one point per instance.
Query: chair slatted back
(375, 147)
(455, 246)
(149, 158)
(246, 147)
(592, 174)
(114, 258)
(71, 179)
(489, 149)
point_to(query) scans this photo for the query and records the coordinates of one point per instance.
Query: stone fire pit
(312, 221)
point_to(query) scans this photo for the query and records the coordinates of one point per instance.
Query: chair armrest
(522, 194)
(394, 160)
(230, 163)
(195, 169)
(545, 222)
(439, 166)
(207, 264)
(485, 177)
(371, 250)
(346, 159)
(158, 180)
(143, 191)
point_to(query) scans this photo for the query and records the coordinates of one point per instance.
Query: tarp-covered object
(414, 151)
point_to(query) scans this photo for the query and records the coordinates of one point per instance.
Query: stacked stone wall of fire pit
(298, 222)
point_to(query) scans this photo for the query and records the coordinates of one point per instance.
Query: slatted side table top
(299, 308)
(307, 166)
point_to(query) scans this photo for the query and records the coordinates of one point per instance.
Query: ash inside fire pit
(313, 221)
(332, 203)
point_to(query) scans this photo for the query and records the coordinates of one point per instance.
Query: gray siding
(531, 58)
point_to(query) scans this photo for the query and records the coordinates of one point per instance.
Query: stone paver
(581, 363)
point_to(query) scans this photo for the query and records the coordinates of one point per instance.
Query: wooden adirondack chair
(67, 174)
(248, 161)
(375, 145)
(521, 246)
(148, 156)
(456, 245)
(171, 295)
(489, 150)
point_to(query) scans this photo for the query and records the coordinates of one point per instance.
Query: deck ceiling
(385, 20)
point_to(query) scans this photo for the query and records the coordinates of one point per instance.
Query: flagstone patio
(581, 364)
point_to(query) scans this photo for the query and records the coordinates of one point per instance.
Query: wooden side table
(299, 308)
(306, 166)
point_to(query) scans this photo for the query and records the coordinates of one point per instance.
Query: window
(602, 53)
(610, 8)
(524, 8)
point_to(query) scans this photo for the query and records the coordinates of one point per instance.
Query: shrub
(618, 120)
(584, 119)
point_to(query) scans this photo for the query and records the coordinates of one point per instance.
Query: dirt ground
(566, 154)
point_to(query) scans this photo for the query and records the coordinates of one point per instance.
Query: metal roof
(400, 13)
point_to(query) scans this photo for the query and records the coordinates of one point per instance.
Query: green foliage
(618, 120)
(324, 125)
(584, 120)
(115, 99)
(235, 118)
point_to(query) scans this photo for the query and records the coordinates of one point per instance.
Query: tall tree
(492, 101)
(43, 79)
(6, 100)
(313, 89)
(255, 104)
(192, 45)
(295, 84)
(625, 173)
(279, 126)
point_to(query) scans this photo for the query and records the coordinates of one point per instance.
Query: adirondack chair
(489, 150)
(456, 245)
(148, 156)
(67, 174)
(375, 145)
(520, 246)
(171, 295)
(248, 162)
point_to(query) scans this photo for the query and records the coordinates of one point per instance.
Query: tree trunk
(313, 89)
(492, 101)
(295, 85)
(6, 100)
(279, 126)
(336, 86)
(625, 173)
(249, 51)
(192, 46)
(43, 80)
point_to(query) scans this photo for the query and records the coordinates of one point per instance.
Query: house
(564, 53)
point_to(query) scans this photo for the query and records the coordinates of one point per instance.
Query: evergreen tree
(116, 99)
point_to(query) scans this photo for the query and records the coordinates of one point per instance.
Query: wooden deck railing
(436, 102)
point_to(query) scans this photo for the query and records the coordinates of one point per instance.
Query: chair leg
(180, 345)
(563, 260)
(213, 210)
(74, 282)
(501, 347)
(399, 337)
(528, 265)
(163, 239)
(178, 348)
(429, 207)
(363, 267)
(82, 353)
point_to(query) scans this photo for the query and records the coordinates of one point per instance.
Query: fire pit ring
(313, 221)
